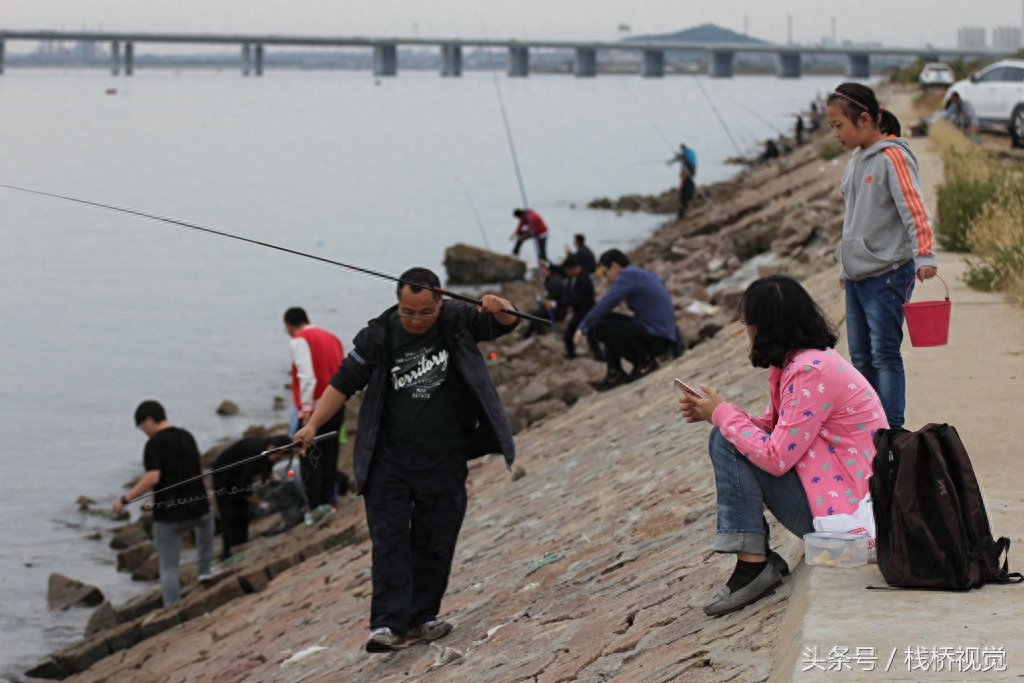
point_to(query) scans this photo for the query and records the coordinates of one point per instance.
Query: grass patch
(981, 211)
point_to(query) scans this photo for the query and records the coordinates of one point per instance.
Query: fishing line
(317, 439)
(757, 114)
(221, 233)
(719, 115)
(479, 223)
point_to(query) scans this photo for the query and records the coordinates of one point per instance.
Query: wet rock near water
(64, 592)
(469, 265)
(227, 408)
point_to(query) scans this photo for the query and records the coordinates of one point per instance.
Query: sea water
(100, 310)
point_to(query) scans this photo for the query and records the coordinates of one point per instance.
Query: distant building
(970, 37)
(1006, 38)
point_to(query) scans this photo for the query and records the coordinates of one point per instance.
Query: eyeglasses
(422, 315)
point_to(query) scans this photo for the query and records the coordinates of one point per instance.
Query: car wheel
(1017, 126)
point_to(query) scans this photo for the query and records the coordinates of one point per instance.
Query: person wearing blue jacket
(640, 339)
(429, 405)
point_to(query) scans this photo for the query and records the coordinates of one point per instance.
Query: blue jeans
(167, 539)
(744, 490)
(874, 329)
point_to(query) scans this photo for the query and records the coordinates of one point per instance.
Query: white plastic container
(835, 549)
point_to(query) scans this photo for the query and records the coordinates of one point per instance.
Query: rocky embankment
(590, 561)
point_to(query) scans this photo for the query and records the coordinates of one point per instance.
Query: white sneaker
(383, 640)
(208, 575)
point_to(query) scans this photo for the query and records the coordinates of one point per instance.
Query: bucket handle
(906, 294)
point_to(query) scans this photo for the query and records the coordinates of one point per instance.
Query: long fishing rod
(221, 233)
(317, 439)
(519, 174)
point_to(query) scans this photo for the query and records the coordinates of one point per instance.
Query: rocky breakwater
(591, 560)
(785, 216)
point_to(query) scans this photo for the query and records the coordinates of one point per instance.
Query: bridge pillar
(787, 64)
(115, 58)
(720, 63)
(518, 60)
(259, 59)
(654, 64)
(246, 58)
(385, 59)
(129, 58)
(451, 60)
(1, 56)
(586, 62)
(858, 66)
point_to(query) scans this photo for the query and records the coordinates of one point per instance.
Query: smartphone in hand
(684, 387)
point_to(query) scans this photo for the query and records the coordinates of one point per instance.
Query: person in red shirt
(316, 356)
(530, 225)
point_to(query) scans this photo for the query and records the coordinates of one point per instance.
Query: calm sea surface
(100, 310)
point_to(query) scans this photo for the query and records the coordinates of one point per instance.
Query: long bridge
(720, 56)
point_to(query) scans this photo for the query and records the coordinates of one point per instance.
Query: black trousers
(623, 337)
(570, 331)
(542, 246)
(234, 523)
(319, 469)
(686, 190)
(414, 523)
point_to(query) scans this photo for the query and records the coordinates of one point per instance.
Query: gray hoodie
(886, 222)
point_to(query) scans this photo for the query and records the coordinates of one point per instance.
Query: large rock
(468, 265)
(64, 592)
(132, 558)
(105, 617)
(127, 536)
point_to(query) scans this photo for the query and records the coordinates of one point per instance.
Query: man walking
(171, 459)
(640, 339)
(429, 405)
(316, 356)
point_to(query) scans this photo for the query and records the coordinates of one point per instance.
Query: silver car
(936, 73)
(997, 95)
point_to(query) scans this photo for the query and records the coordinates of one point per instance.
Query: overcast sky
(893, 22)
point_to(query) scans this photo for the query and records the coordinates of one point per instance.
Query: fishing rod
(221, 233)
(317, 439)
(519, 174)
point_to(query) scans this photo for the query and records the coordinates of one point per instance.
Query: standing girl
(887, 240)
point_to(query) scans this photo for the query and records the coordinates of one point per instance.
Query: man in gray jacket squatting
(430, 405)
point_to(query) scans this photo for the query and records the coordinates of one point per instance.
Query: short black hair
(519, 213)
(571, 261)
(149, 409)
(613, 256)
(786, 319)
(295, 317)
(418, 279)
(579, 238)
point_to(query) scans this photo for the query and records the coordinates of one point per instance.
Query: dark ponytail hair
(889, 124)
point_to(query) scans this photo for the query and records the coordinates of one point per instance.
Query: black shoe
(611, 380)
(644, 369)
(778, 562)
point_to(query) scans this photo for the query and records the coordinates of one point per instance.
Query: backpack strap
(1003, 574)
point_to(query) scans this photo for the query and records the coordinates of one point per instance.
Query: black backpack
(932, 528)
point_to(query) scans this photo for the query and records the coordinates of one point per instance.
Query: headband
(850, 99)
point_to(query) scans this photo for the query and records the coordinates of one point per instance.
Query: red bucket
(928, 321)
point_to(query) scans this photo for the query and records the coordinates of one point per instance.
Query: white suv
(997, 95)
